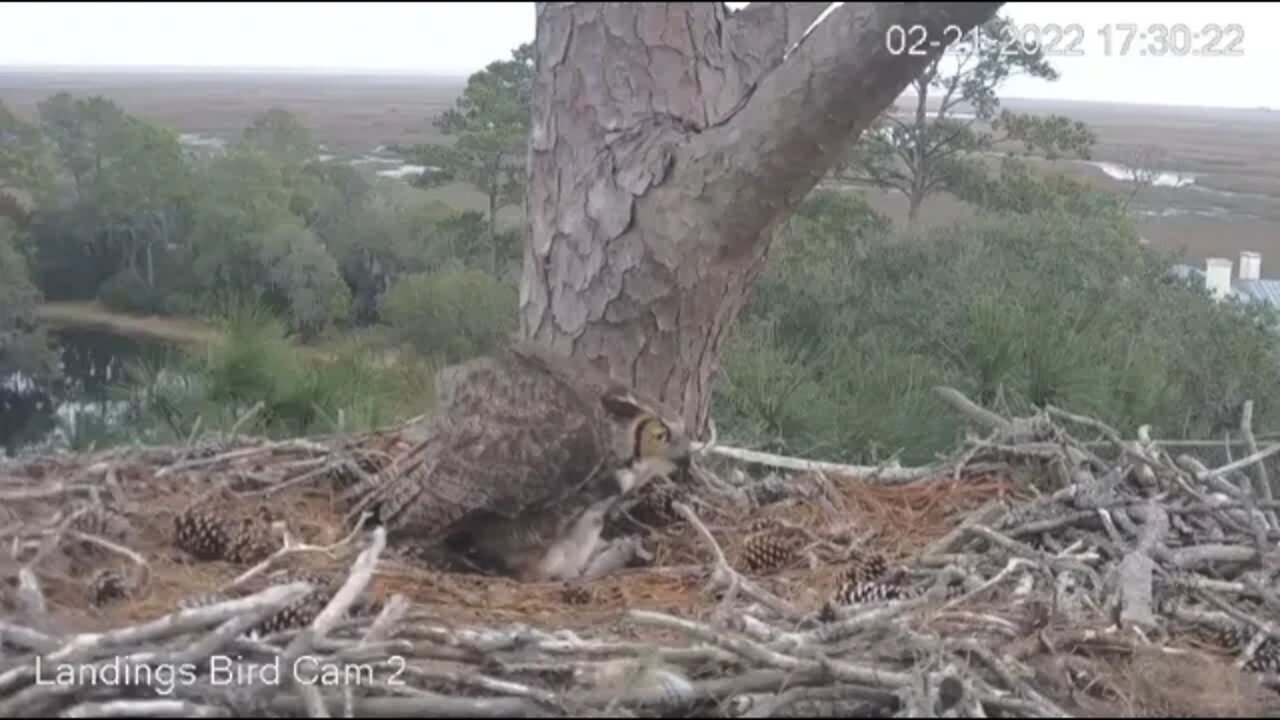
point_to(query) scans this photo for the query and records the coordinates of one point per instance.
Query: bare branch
(882, 474)
(1262, 484)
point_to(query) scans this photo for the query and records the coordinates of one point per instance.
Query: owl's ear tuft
(621, 403)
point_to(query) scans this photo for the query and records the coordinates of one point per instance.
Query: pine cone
(107, 587)
(654, 507)
(223, 529)
(1266, 659)
(201, 534)
(856, 593)
(99, 521)
(867, 579)
(865, 567)
(771, 549)
(104, 522)
(1233, 636)
(251, 541)
(576, 594)
(300, 612)
(955, 589)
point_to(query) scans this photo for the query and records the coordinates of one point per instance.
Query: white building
(1247, 286)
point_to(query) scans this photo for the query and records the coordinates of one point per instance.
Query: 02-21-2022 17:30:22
(1072, 40)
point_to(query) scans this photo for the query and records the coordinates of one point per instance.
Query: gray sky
(459, 38)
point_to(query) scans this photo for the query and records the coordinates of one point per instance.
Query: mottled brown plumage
(527, 448)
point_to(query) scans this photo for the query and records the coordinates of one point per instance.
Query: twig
(177, 623)
(1196, 556)
(886, 475)
(289, 548)
(29, 594)
(972, 410)
(1135, 572)
(945, 544)
(337, 607)
(1260, 625)
(1262, 484)
(758, 653)
(724, 573)
(18, 635)
(988, 658)
(39, 493)
(739, 646)
(1009, 568)
(235, 616)
(423, 704)
(242, 454)
(1242, 463)
(144, 708)
(137, 559)
(246, 417)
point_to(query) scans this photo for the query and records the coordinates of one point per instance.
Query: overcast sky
(459, 38)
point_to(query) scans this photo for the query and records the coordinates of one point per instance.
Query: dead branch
(1262, 484)
(144, 708)
(969, 409)
(1244, 462)
(725, 576)
(887, 475)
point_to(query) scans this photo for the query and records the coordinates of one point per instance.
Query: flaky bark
(668, 141)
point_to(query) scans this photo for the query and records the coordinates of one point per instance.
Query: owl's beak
(683, 464)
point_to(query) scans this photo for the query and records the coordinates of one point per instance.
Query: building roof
(1187, 271)
(1264, 290)
(1243, 290)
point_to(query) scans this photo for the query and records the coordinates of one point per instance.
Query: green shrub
(127, 291)
(838, 353)
(452, 314)
(260, 381)
(24, 345)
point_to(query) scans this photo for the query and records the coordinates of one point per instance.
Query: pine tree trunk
(668, 141)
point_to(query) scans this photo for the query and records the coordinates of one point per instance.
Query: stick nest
(1031, 573)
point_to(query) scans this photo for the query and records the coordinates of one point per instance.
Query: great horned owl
(526, 454)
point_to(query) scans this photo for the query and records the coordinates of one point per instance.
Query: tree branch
(804, 113)
(762, 31)
(949, 98)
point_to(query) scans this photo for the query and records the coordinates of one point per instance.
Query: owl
(524, 457)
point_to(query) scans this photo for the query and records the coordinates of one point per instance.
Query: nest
(1032, 573)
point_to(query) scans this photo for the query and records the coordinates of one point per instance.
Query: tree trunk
(668, 140)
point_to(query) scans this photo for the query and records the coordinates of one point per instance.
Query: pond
(93, 363)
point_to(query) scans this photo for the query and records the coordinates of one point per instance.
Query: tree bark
(668, 140)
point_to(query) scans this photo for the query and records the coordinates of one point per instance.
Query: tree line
(1045, 296)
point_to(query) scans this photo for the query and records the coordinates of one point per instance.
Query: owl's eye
(658, 432)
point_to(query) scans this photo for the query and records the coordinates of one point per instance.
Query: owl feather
(525, 434)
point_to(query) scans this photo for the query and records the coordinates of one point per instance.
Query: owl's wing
(509, 437)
